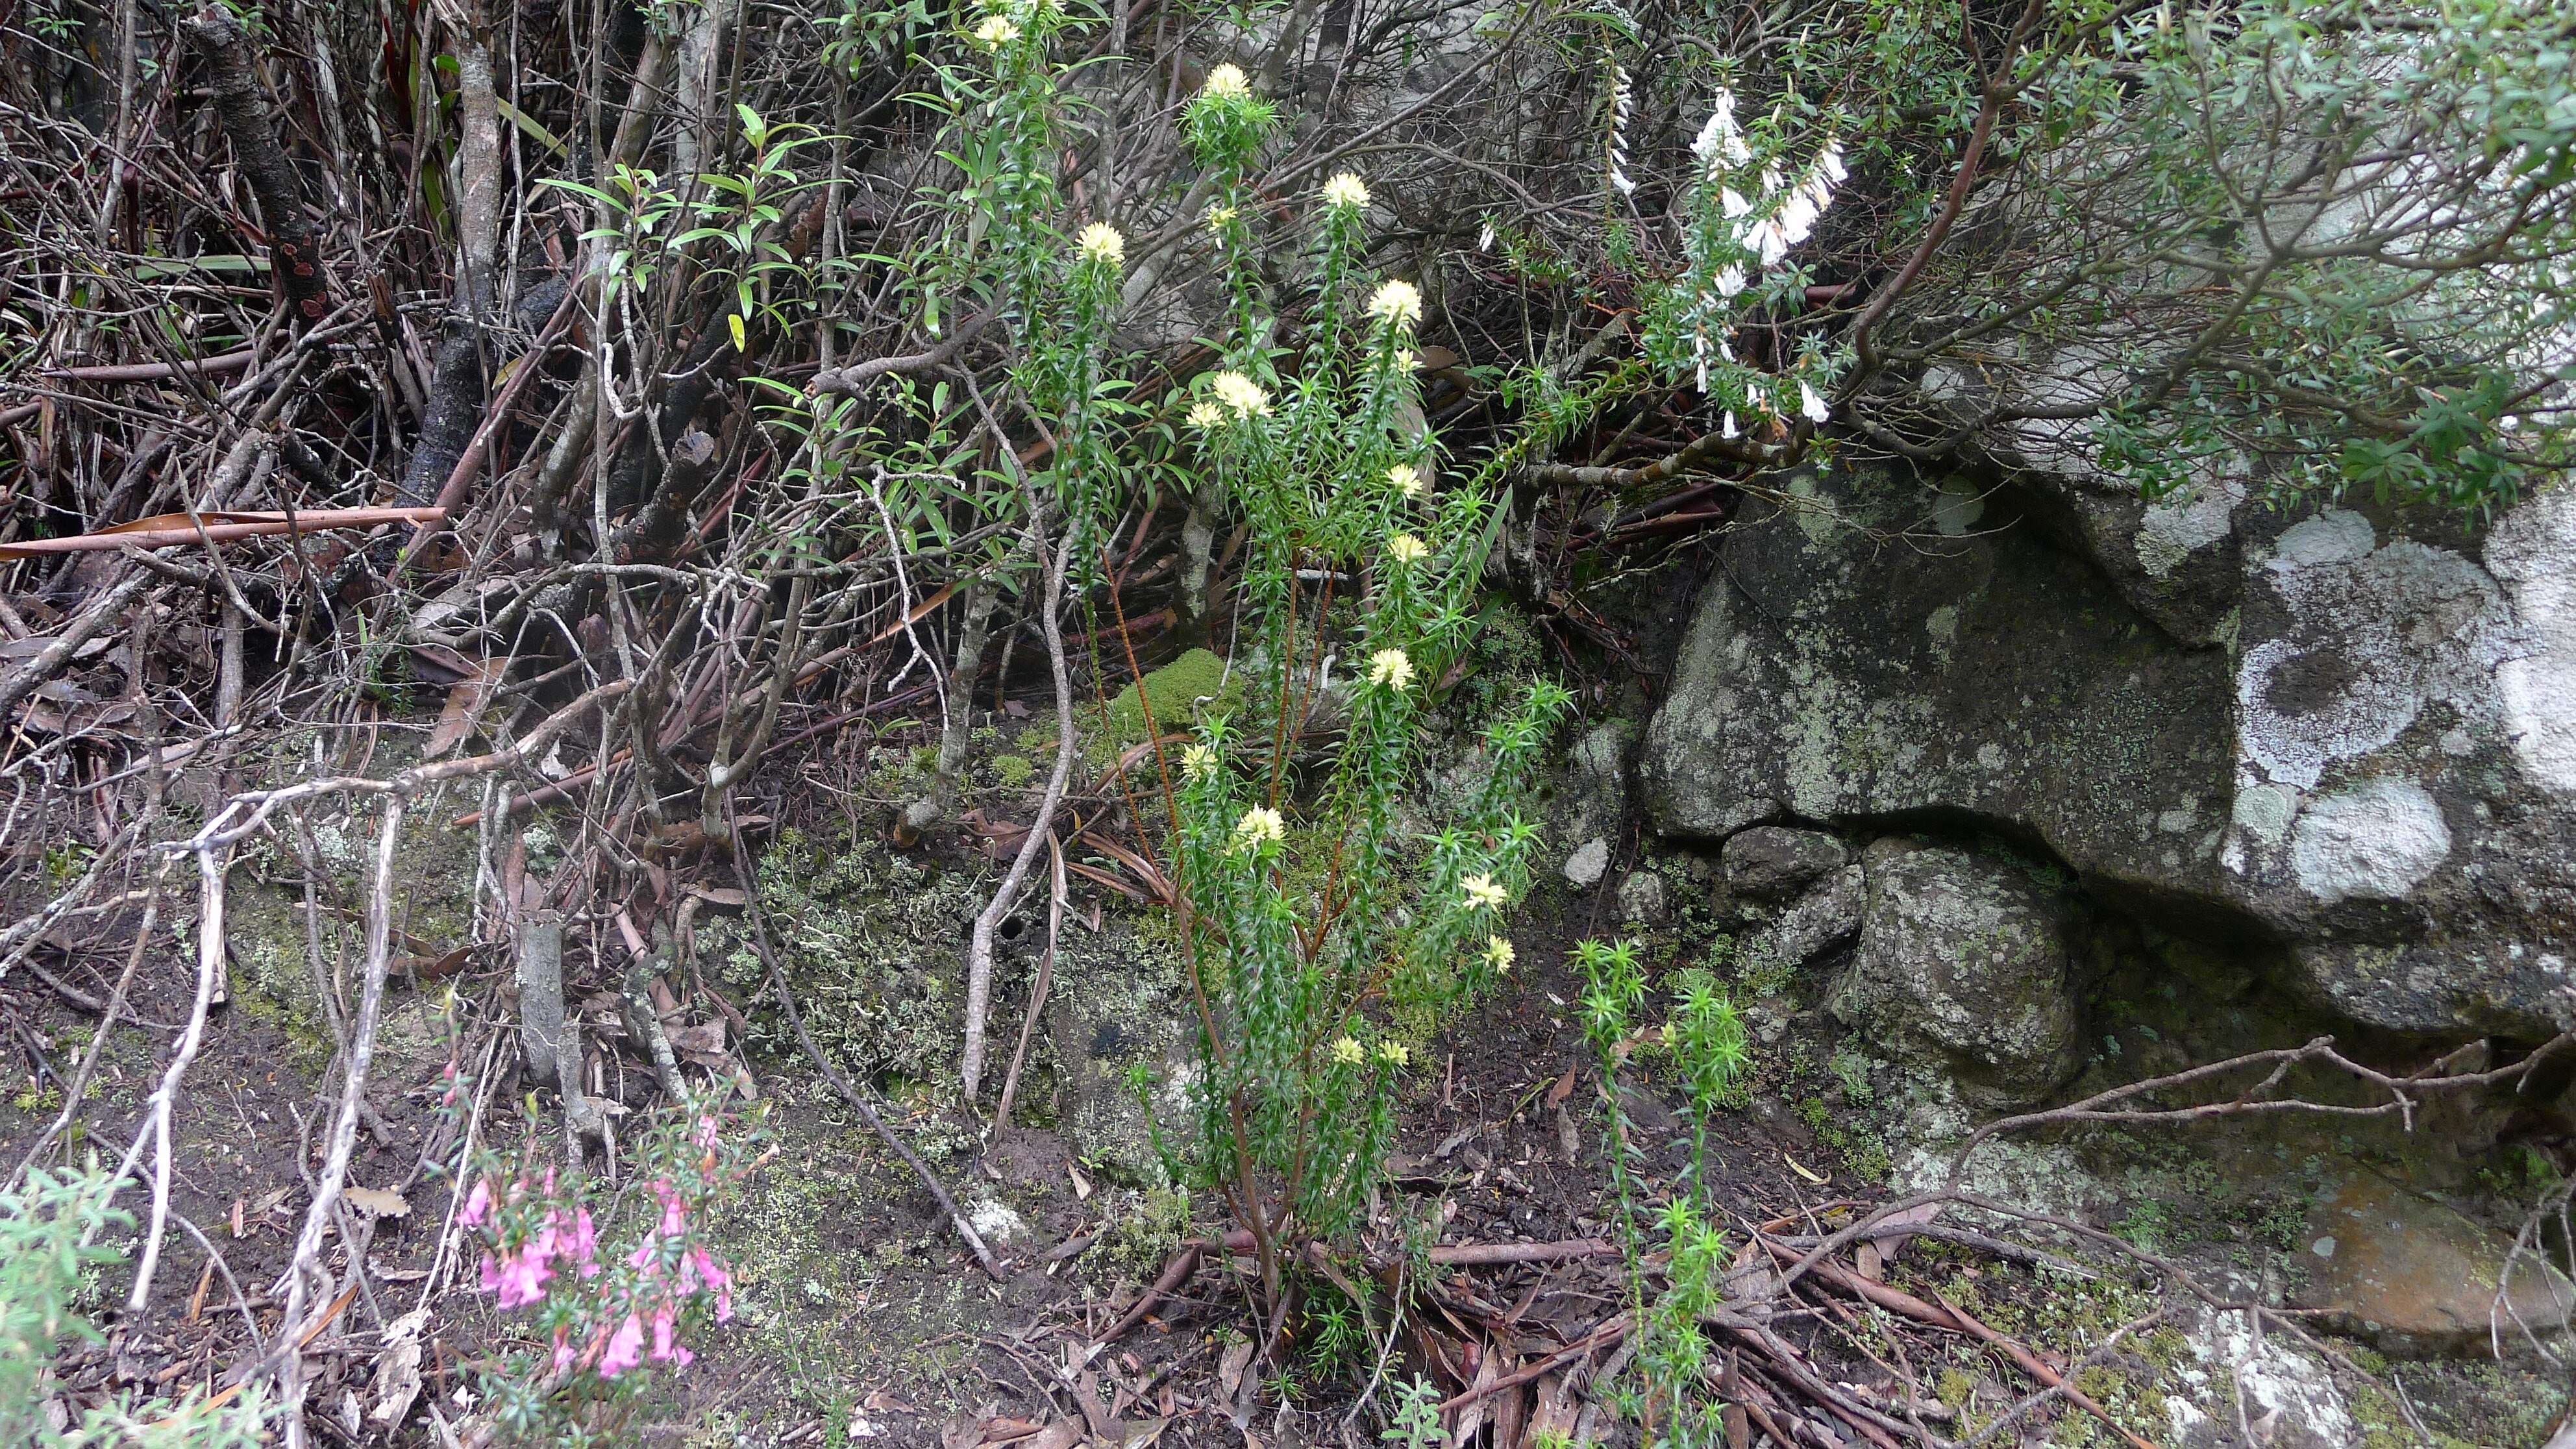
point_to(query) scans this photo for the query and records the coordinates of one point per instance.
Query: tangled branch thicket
(662, 387)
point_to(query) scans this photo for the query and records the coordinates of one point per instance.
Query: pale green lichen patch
(872, 942)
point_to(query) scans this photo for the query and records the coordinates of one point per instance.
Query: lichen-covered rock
(2359, 743)
(1587, 863)
(1774, 862)
(1644, 898)
(1593, 796)
(1971, 669)
(1816, 923)
(2402, 810)
(1965, 954)
(2283, 1387)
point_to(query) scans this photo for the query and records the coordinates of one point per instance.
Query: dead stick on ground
(75, 1091)
(832, 1074)
(1956, 1319)
(1601, 1337)
(353, 1087)
(1175, 1273)
(1877, 1428)
(979, 954)
(108, 607)
(1037, 993)
(156, 1127)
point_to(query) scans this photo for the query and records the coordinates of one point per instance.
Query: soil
(861, 1319)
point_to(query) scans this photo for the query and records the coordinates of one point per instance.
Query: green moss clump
(1013, 772)
(1174, 691)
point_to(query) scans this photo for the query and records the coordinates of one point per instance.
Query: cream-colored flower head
(1406, 479)
(1218, 215)
(1406, 549)
(1390, 669)
(1406, 359)
(1259, 826)
(1346, 192)
(1226, 83)
(1242, 394)
(1348, 1051)
(1205, 415)
(996, 31)
(1396, 302)
(1100, 242)
(1482, 892)
(1198, 762)
(1499, 954)
(1393, 1053)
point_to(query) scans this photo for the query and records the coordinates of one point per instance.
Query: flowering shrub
(605, 1312)
(1744, 215)
(1316, 924)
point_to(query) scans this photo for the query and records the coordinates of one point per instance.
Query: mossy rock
(1177, 692)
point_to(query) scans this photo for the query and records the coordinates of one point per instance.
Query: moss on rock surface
(1175, 692)
(839, 1279)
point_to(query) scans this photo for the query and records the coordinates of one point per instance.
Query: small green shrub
(43, 1267)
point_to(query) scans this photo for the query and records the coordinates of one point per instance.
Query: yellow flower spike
(1226, 83)
(1499, 955)
(1404, 548)
(1348, 1051)
(1346, 192)
(1242, 394)
(1482, 892)
(1390, 669)
(1397, 303)
(1100, 242)
(1259, 826)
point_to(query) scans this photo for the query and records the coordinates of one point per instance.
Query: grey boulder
(1964, 954)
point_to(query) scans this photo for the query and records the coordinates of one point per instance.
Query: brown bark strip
(165, 530)
(295, 264)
